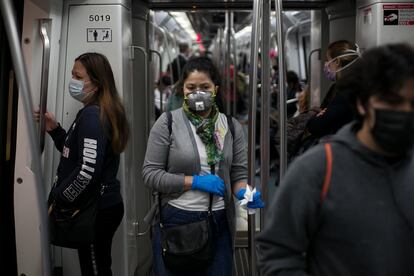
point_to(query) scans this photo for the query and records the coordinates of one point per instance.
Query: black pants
(96, 258)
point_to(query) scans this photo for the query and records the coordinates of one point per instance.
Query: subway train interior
(253, 43)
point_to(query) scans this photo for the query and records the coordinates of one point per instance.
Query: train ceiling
(207, 16)
(235, 4)
(207, 23)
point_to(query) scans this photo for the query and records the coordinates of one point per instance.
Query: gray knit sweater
(171, 157)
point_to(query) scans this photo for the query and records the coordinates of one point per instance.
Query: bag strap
(169, 121)
(328, 174)
(230, 124)
(210, 204)
(325, 189)
(212, 167)
(169, 125)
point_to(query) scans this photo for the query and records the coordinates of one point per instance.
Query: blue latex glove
(257, 199)
(209, 183)
(240, 193)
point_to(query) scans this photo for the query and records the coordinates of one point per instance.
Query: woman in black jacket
(90, 157)
(335, 108)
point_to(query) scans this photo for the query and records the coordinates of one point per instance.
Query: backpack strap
(169, 125)
(230, 124)
(328, 174)
(169, 121)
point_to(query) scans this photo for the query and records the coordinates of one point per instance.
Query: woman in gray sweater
(194, 153)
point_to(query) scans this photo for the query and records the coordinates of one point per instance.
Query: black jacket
(88, 166)
(364, 227)
(338, 113)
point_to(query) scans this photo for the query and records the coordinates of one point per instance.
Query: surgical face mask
(329, 74)
(394, 130)
(76, 88)
(199, 101)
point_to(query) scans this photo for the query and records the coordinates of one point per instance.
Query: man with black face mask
(346, 207)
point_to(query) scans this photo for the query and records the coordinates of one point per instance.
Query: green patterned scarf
(205, 128)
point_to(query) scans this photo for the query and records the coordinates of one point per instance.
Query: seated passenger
(193, 153)
(336, 111)
(296, 126)
(346, 207)
(293, 87)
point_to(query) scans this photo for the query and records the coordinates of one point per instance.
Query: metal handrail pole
(282, 93)
(147, 113)
(291, 29)
(9, 17)
(252, 128)
(165, 40)
(227, 63)
(44, 27)
(160, 74)
(308, 74)
(234, 66)
(265, 107)
(294, 100)
(297, 25)
(221, 62)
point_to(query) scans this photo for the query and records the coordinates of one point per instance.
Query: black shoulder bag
(188, 247)
(74, 227)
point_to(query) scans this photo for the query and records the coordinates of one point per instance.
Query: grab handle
(132, 57)
(160, 74)
(44, 27)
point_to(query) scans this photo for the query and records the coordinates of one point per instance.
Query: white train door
(40, 47)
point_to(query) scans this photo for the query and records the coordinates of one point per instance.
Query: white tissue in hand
(248, 197)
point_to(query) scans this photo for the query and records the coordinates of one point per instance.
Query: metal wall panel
(373, 29)
(112, 22)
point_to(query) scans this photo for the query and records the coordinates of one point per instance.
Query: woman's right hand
(209, 183)
(321, 112)
(50, 122)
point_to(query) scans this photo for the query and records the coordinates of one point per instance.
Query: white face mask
(347, 54)
(76, 90)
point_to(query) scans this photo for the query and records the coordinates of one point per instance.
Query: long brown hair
(111, 108)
